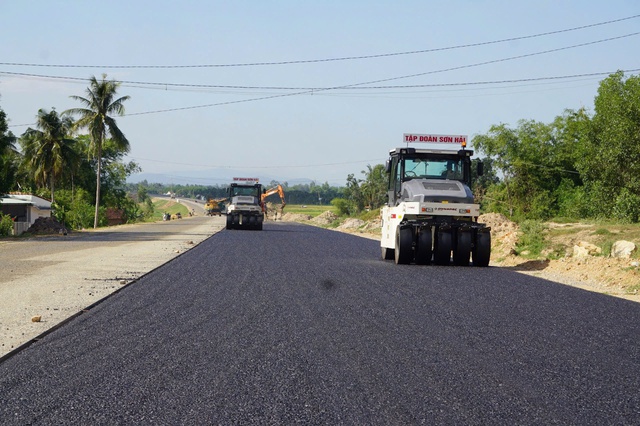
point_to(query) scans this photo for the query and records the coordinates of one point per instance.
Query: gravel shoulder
(48, 279)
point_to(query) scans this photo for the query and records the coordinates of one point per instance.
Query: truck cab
(429, 175)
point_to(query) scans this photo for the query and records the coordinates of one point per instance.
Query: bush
(627, 207)
(147, 209)
(344, 207)
(6, 225)
(75, 210)
(531, 238)
(573, 201)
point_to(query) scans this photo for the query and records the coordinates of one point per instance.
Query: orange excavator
(276, 190)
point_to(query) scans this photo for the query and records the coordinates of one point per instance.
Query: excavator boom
(277, 190)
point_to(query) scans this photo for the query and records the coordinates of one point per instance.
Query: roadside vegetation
(82, 174)
(160, 207)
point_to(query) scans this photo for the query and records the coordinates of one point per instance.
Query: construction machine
(276, 190)
(430, 212)
(244, 208)
(214, 206)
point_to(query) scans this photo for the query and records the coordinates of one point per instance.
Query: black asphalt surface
(301, 325)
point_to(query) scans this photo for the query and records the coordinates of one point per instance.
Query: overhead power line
(164, 86)
(306, 92)
(348, 86)
(344, 58)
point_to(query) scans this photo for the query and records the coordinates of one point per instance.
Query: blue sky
(321, 134)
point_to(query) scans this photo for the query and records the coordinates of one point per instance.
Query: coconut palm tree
(99, 105)
(8, 154)
(49, 149)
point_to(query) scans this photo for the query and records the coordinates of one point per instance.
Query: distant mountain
(210, 178)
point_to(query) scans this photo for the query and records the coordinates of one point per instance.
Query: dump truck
(244, 208)
(430, 215)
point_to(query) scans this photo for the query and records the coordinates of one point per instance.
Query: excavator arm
(277, 190)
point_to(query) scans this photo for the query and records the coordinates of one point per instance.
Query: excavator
(276, 190)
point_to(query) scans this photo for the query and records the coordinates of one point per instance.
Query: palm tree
(99, 105)
(49, 150)
(8, 154)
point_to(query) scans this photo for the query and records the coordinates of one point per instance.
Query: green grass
(308, 209)
(167, 206)
(602, 231)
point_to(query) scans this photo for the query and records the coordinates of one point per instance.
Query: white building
(24, 210)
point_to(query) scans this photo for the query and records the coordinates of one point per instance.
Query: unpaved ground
(47, 279)
(603, 274)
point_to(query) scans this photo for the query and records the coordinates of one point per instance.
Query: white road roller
(430, 214)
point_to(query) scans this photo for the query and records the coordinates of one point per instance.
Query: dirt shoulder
(47, 279)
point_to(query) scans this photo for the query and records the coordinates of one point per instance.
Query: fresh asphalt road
(297, 324)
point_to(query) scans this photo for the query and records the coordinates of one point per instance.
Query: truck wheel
(229, 222)
(462, 250)
(442, 251)
(404, 241)
(482, 249)
(388, 253)
(424, 250)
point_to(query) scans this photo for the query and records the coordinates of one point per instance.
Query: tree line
(308, 193)
(55, 160)
(580, 166)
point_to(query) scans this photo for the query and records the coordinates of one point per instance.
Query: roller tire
(403, 252)
(424, 251)
(482, 249)
(462, 250)
(388, 253)
(442, 250)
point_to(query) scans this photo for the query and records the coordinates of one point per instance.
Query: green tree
(534, 158)
(353, 194)
(143, 194)
(8, 155)
(49, 150)
(374, 186)
(610, 158)
(99, 106)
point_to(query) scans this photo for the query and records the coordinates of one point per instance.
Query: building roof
(25, 200)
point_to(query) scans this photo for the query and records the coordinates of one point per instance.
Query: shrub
(344, 207)
(531, 238)
(627, 207)
(75, 210)
(6, 225)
